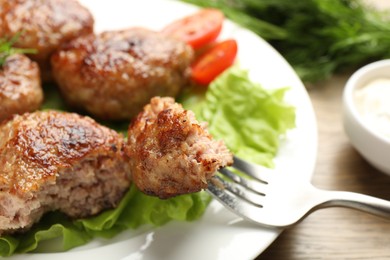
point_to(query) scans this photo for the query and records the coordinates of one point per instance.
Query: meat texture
(20, 86)
(170, 152)
(58, 161)
(114, 74)
(44, 25)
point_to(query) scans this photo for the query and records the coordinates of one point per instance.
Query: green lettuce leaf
(135, 209)
(251, 121)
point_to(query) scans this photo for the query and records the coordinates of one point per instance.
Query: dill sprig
(7, 49)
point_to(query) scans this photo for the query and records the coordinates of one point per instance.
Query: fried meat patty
(58, 161)
(44, 25)
(112, 75)
(20, 86)
(170, 152)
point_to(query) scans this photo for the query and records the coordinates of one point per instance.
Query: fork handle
(369, 204)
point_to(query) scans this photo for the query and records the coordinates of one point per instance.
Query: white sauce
(373, 104)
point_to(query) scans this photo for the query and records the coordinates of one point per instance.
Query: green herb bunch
(7, 49)
(317, 37)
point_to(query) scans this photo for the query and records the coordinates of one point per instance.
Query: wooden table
(337, 233)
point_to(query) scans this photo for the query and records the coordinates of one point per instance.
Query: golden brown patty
(58, 161)
(20, 86)
(114, 74)
(170, 152)
(45, 24)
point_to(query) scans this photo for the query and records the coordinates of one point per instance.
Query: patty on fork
(112, 75)
(170, 152)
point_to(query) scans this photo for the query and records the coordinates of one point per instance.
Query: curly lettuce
(249, 118)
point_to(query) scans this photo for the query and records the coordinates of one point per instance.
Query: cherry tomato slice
(212, 63)
(198, 29)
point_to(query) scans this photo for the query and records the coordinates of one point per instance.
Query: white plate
(219, 234)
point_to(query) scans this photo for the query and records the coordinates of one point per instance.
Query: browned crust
(114, 74)
(35, 147)
(45, 24)
(20, 86)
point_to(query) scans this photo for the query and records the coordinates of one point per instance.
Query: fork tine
(243, 194)
(252, 184)
(253, 170)
(233, 202)
(255, 198)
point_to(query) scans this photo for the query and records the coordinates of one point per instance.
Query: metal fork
(279, 198)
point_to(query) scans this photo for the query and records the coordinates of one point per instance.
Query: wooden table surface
(337, 233)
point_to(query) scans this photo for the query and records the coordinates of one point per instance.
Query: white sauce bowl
(373, 145)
